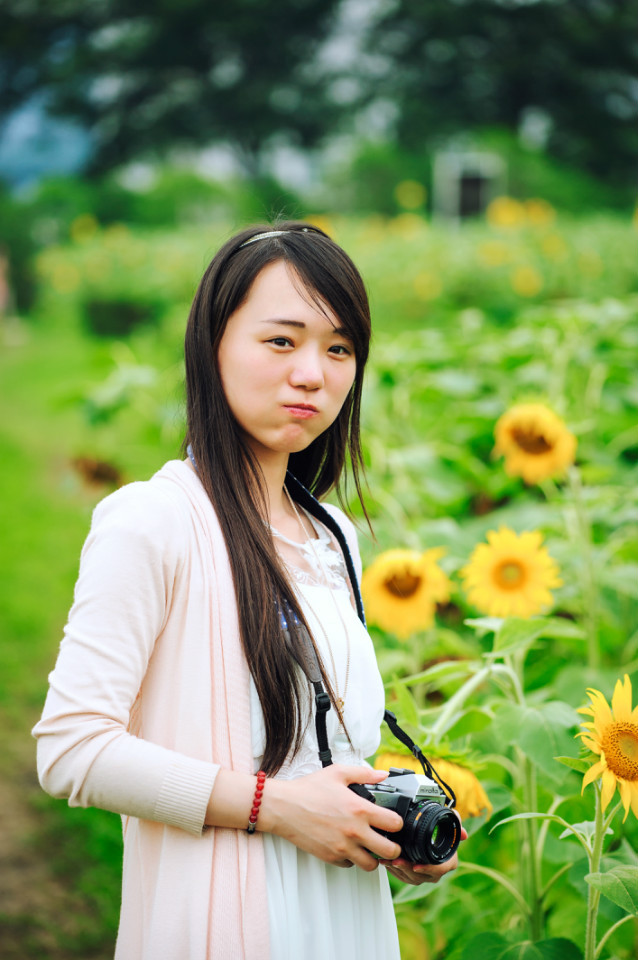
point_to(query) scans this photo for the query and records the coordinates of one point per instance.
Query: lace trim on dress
(324, 566)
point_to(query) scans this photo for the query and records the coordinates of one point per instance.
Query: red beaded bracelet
(254, 813)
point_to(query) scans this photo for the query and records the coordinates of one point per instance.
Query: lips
(301, 411)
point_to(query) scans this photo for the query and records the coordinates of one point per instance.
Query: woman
(174, 683)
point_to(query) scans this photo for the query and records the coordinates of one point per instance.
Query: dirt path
(40, 917)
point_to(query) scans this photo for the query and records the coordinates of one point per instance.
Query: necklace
(339, 698)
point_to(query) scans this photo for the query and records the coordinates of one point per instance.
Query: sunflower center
(530, 441)
(509, 575)
(403, 584)
(620, 744)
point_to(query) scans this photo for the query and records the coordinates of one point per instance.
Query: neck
(274, 473)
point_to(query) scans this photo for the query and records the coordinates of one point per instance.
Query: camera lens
(430, 834)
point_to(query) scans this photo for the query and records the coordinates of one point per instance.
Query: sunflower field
(500, 429)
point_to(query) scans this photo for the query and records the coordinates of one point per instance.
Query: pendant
(339, 705)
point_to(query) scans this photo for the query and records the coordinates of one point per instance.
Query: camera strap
(309, 662)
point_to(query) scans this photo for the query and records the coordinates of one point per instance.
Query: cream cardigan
(148, 699)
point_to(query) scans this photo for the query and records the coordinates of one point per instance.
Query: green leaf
(531, 816)
(556, 949)
(541, 732)
(575, 763)
(515, 634)
(406, 705)
(472, 720)
(622, 579)
(493, 946)
(449, 670)
(484, 625)
(558, 628)
(620, 885)
(485, 946)
(586, 829)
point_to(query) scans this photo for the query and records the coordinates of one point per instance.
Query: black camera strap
(309, 662)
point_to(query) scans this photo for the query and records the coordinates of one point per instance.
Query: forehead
(278, 292)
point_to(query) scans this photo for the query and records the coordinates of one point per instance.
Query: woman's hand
(417, 873)
(319, 814)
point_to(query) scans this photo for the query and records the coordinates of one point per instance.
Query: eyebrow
(338, 331)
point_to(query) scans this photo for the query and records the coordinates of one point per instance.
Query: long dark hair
(230, 472)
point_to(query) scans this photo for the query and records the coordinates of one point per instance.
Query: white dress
(317, 910)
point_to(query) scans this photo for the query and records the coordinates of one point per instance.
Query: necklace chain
(340, 698)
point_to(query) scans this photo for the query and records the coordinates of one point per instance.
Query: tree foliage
(451, 65)
(156, 73)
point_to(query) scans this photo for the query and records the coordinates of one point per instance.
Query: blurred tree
(564, 73)
(147, 75)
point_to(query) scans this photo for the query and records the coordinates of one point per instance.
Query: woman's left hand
(416, 873)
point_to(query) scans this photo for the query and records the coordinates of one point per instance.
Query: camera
(431, 831)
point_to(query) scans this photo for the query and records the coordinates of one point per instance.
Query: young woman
(176, 683)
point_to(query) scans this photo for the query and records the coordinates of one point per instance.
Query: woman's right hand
(319, 814)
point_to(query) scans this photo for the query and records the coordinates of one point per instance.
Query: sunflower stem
(603, 940)
(534, 893)
(584, 547)
(593, 895)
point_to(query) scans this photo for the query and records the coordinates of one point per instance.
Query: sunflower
(471, 799)
(511, 575)
(535, 442)
(402, 588)
(613, 735)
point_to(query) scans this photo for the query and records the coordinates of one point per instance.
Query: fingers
(417, 873)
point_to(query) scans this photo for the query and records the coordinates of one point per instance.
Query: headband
(272, 233)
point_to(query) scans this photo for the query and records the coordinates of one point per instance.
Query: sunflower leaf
(620, 885)
(516, 634)
(586, 829)
(575, 763)
(407, 708)
(542, 732)
(493, 946)
(484, 625)
(448, 670)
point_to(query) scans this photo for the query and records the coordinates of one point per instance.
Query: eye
(280, 341)
(341, 350)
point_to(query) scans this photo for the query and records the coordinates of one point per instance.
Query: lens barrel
(430, 834)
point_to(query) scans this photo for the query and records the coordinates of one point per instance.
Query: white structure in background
(465, 181)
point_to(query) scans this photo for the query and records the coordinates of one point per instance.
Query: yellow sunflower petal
(592, 745)
(594, 772)
(633, 789)
(601, 709)
(625, 795)
(609, 787)
(621, 700)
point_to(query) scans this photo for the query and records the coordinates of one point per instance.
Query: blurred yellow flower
(505, 212)
(410, 194)
(554, 247)
(427, 285)
(407, 225)
(114, 234)
(471, 799)
(401, 589)
(613, 735)
(526, 281)
(493, 253)
(511, 575)
(84, 228)
(535, 442)
(321, 221)
(539, 212)
(65, 277)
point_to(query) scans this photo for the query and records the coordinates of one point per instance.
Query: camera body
(431, 831)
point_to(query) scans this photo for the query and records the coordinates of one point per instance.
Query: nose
(307, 371)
